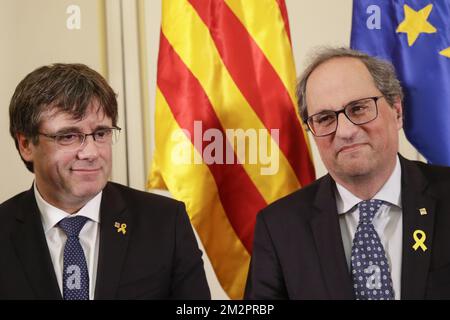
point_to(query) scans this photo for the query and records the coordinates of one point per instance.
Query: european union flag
(415, 36)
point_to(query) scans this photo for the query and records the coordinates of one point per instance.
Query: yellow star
(416, 23)
(445, 52)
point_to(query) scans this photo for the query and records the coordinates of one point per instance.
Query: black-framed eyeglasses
(359, 112)
(71, 141)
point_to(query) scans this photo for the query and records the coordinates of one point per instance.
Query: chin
(88, 189)
(356, 170)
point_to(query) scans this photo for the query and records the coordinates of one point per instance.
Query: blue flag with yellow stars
(415, 36)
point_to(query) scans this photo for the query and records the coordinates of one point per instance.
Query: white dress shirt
(56, 237)
(387, 222)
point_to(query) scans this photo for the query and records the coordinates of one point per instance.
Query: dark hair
(383, 74)
(68, 88)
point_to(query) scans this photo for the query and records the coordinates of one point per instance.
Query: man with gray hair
(377, 225)
(74, 235)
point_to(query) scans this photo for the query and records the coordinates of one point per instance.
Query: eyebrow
(77, 130)
(342, 107)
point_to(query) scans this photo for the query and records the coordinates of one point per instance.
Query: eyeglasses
(358, 112)
(71, 141)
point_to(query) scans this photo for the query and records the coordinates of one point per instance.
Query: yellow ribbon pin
(121, 227)
(419, 241)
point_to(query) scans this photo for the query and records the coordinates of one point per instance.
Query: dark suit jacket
(298, 251)
(157, 258)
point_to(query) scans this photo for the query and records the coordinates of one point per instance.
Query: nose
(89, 149)
(345, 129)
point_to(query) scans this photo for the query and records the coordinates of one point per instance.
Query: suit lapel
(32, 250)
(415, 263)
(328, 239)
(113, 244)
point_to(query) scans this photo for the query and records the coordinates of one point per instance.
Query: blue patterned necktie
(75, 272)
(369, 265)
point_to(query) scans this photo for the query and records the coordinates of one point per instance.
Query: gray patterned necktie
(369, 265)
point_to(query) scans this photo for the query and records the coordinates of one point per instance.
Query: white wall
(124, 48)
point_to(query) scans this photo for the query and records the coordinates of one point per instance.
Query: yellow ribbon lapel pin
(419, 238)
(121, 227)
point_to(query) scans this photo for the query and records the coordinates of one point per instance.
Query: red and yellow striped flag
(228, 140)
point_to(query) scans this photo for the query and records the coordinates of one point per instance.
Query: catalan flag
(415, 36)
(228, 140)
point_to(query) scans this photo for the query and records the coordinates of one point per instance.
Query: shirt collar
(51, 215)
(390, 192)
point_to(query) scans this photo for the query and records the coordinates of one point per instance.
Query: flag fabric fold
(228, 140)
(415, 36)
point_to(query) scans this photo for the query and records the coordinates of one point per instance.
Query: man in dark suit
(74, 235)
(377, 225)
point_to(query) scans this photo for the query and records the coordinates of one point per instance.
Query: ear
(398, 109)
(25, 147)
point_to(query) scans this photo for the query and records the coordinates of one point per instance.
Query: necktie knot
(367, 210)
(73, 225)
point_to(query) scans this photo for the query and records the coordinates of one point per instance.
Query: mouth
(351, 148)
(86, 171)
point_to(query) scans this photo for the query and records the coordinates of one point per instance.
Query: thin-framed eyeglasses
(359, 112)
(71, 141)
